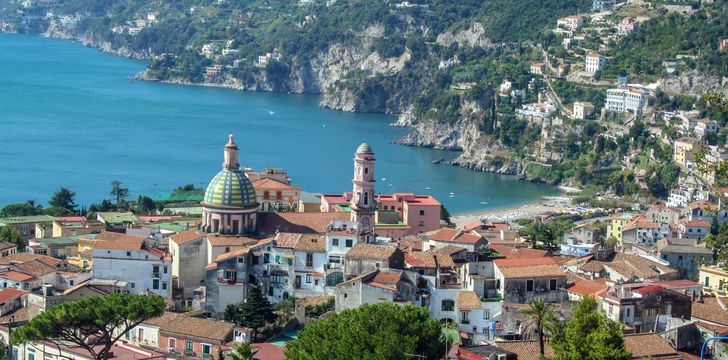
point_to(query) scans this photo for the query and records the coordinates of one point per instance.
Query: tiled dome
(230, 188)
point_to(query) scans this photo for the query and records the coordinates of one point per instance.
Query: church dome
(230, 188)
(364, 148)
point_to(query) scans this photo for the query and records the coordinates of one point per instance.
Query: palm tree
(540, 312)
(241, 352)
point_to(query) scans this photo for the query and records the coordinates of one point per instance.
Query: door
(298, 281)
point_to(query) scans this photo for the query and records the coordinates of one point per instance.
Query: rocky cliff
(695, 83)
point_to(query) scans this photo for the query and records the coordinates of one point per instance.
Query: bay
(69, 117)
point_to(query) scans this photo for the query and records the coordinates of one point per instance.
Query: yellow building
(684, 151)
(616, 225)
(714, 278)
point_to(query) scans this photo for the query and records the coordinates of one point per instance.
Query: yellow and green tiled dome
(230, 188)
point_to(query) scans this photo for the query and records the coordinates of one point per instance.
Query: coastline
(544, 205)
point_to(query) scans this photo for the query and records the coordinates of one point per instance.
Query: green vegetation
(255, 312)
(539, 313)
(318, 310)
(77, 323)
(63, 198)
(381, 331)
(13, 236)
(546, 235)
(570, 92)
(667, 37)
(588, 335)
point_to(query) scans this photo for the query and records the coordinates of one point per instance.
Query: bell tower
(363, 205)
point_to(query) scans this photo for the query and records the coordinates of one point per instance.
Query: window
(334, 242)
(366, 198)
(155, 271)
(276, 279)
(315, 282)
(529, 285)
(334, 259)
(464, 317)
(707, 281)
(31, 356)
(164, 285)
(128, 253)
(266, 195)
(486, 314)
(70, 282)
(308, 278)
(241, 260)
(279, 195)
(227, 249)
(155, 284)
(172, 343)
(141, 335)
(277, 259)
(188, 346)
(266, 258)
(290, 261)
(448, 305)
(133, 285)
(164, 269)
(309, 260)
(552, 284)
(422, 212)
(349, 243)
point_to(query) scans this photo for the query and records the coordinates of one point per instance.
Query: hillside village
(650, 270)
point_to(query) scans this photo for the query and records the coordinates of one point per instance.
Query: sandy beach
(509, 213)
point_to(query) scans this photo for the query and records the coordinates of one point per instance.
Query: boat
(384, 179)
(438, 161)
(390, 185)
(271, 112)
(428, 188)
(483, 203)
(452, 195)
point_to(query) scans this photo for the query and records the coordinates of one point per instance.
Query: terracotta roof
(192, 326)
(287, 240)
(25, 257)
(676, 284)
(517, 252)
(311, 242)
(509, 263)
(307, 223)
(37, 268)
(455, 236)
(118, 245)
(268, 351)
(16, 276)
(229, 240)
(268, 183)
(628, 265)
(641, 222)
(186, 237)
(710, 310)
(115, 236)
(525, 350)
(450, 249)
(428, 260)
(389, 278)
(4, 245)
(10, 294)
(695, 223)
(411, 242)
(587, 287)
(371, 251)
(19, 315)
(468, 300)
(649, 345)
(521, 268)
(717, 329)
(703, 205)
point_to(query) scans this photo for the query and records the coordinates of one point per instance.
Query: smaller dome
(364, 148)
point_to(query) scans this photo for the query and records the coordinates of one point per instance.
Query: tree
(145, 205)
(372, 331)
(120, 193)
(255, 312)
(539, 312)
(13, 236)
(63, 198)
(103, 318)
(58, 211)
(242, 352)
(589, 335)
(28, 208)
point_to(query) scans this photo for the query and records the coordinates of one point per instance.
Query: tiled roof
(181, 324)
(306, 223)
(222, 240)
(641, 222)
(16, 276)
(717, 329)
(268, 351)
(450, 249)
(703, 205)
(268, 183)
(389, 278)
(311, 242)
(455, 236)
(411, 242)
(676, 284)
(508, 263)
(118, 245)
(468, 300)
(526, 350)
(710, 310)
(628, 265)
(371, 251)
(186, 237)
(521, 268)
(695, 223)
(25, 257)
(587, 287)
(115, 236)
(6, 245)
(428, 260)
(287, 240)
(517, 252)
(695, 249)
(36, 268)
(10, 294)
(649, 345)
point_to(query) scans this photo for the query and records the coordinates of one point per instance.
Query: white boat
(428, 188)
(390, 185)
(452, 195)
(384, 179)
(483, 203)
(270, 112)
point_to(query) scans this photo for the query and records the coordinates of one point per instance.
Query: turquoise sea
(69, 116)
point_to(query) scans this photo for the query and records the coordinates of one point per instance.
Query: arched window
(227, 249)
(366, 198)
(366, 170)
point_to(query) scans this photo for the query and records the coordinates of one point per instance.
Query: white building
(603, 5)
(582, 110)
(705, 126)
(595, 62)
(147, 270)
(626, 100)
